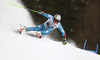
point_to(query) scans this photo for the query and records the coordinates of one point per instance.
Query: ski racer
(52, 23)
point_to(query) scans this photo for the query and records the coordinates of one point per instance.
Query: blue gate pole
(97, 48)
(84, 44)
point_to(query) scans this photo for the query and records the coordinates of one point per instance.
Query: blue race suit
(48, 26)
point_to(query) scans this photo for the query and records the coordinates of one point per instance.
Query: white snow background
(15, 46)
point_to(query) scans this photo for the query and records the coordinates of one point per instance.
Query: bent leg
(38, 28)
(46, 31)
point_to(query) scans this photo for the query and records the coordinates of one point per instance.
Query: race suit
(48, 26)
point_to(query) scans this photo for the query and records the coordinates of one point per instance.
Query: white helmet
(57, 17)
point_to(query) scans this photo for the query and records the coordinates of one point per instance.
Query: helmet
(57, 17)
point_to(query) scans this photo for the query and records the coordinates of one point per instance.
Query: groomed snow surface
(14, 46)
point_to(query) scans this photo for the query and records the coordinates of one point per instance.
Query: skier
(52, 23)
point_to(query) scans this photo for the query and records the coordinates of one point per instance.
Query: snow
(15, 46)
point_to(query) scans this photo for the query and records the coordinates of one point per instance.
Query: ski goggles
(56, 20)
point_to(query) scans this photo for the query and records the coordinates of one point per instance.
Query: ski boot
(22, 29)
(39, 34)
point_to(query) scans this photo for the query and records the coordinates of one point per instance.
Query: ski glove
(64, 42)
(40, 12)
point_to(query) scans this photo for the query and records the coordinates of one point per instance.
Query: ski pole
(22, 7)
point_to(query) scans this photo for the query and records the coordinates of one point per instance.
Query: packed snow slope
(14, 46)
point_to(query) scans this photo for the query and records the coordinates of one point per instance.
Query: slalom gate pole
(84, 45)
(22, 7)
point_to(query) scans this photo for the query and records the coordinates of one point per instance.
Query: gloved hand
(64, 42)
(40, 12)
